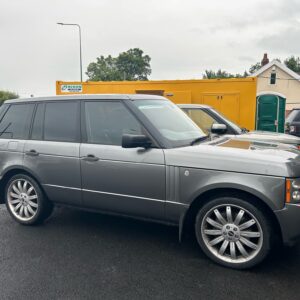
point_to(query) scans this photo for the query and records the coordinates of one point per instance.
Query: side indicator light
(288, 191)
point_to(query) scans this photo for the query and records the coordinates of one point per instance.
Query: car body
(292, 122)
(141, 156)
(205, 116)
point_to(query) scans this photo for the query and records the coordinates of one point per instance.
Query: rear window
(294, 116)
(15, 123)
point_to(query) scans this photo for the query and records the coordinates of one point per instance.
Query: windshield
(294, 116)
(238, 129)
(173, 124)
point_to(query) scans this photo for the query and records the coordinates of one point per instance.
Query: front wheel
(25, 200)
(233, 232)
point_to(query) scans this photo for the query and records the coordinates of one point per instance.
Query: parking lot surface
(83, 255)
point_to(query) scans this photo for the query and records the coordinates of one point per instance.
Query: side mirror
(135, 141)
(218, 128)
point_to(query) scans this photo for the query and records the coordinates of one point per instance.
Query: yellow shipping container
(235, 98)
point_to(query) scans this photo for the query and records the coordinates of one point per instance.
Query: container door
(212, 100)
(229, 107)
(267, 113)
(227, 104)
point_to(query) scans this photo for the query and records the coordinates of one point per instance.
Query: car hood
(270, 137)
(237, 155)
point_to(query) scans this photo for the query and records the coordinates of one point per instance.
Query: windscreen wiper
(199, 139)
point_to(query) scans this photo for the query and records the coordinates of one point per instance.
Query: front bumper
(289, 221)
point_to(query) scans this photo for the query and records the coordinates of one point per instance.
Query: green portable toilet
(270, 111)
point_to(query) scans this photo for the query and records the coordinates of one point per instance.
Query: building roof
(278, 65)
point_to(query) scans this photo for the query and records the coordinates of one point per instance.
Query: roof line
(87, 97)
(280, 66)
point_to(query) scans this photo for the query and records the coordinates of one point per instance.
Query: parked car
(205, 116)
(293, 122)
(141, 156)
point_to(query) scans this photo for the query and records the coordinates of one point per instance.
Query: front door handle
(32, 152)
(90, 157)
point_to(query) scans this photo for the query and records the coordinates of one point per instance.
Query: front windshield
(238, 129)
(172, 123)
(294, 116)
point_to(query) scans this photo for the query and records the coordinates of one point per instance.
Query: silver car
(141, 156)
(207, 118)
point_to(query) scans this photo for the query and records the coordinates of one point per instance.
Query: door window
(61, 122)
(16, 121)
(201, 118)
(106, 122)
(37, 128)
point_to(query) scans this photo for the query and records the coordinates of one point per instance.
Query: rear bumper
(289, 220)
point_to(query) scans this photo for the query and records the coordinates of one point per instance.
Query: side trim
(115, 194)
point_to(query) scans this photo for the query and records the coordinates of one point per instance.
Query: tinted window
(61, 121)
(37, 128)
(106, 122)
(16, 121)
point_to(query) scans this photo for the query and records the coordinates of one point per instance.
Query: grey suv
(141, 156)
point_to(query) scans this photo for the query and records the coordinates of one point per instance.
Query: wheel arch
(186, 223)
(9, 173)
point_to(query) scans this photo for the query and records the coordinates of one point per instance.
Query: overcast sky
(183, 38)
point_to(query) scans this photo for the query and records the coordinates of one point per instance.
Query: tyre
(233, 232)
(25, 200)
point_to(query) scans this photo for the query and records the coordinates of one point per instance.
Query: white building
(275, 77)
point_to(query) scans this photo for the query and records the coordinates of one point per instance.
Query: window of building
(273, 78)
(15, 123)
(106, 122)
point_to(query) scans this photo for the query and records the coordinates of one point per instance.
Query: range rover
(141, 156)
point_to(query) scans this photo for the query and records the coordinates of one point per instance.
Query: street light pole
(80, 51)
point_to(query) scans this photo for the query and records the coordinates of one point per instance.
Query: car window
(37, 127)
(201, 118)
(172, 123)
(106, 122)
(294, 116)
(15, 123)
(61, 121)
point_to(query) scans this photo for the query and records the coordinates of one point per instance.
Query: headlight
(292, 128)
(292, 191)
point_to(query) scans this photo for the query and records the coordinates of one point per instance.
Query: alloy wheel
(22, 199)
(232, 233)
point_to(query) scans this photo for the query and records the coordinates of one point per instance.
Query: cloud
(183, 38)
(285, 41)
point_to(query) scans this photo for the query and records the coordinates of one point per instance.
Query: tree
(293, 63)
(6, 95)
(254, 68)
(104, 69)
(130, 65)
(210, 74)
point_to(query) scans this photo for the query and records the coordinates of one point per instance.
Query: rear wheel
(233, 232)
(25, 200)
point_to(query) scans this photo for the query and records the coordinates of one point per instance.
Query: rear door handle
(32, 152)
(90, 157)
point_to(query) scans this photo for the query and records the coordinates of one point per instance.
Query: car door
(14, 130)
(52, 153)
(115, 179)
